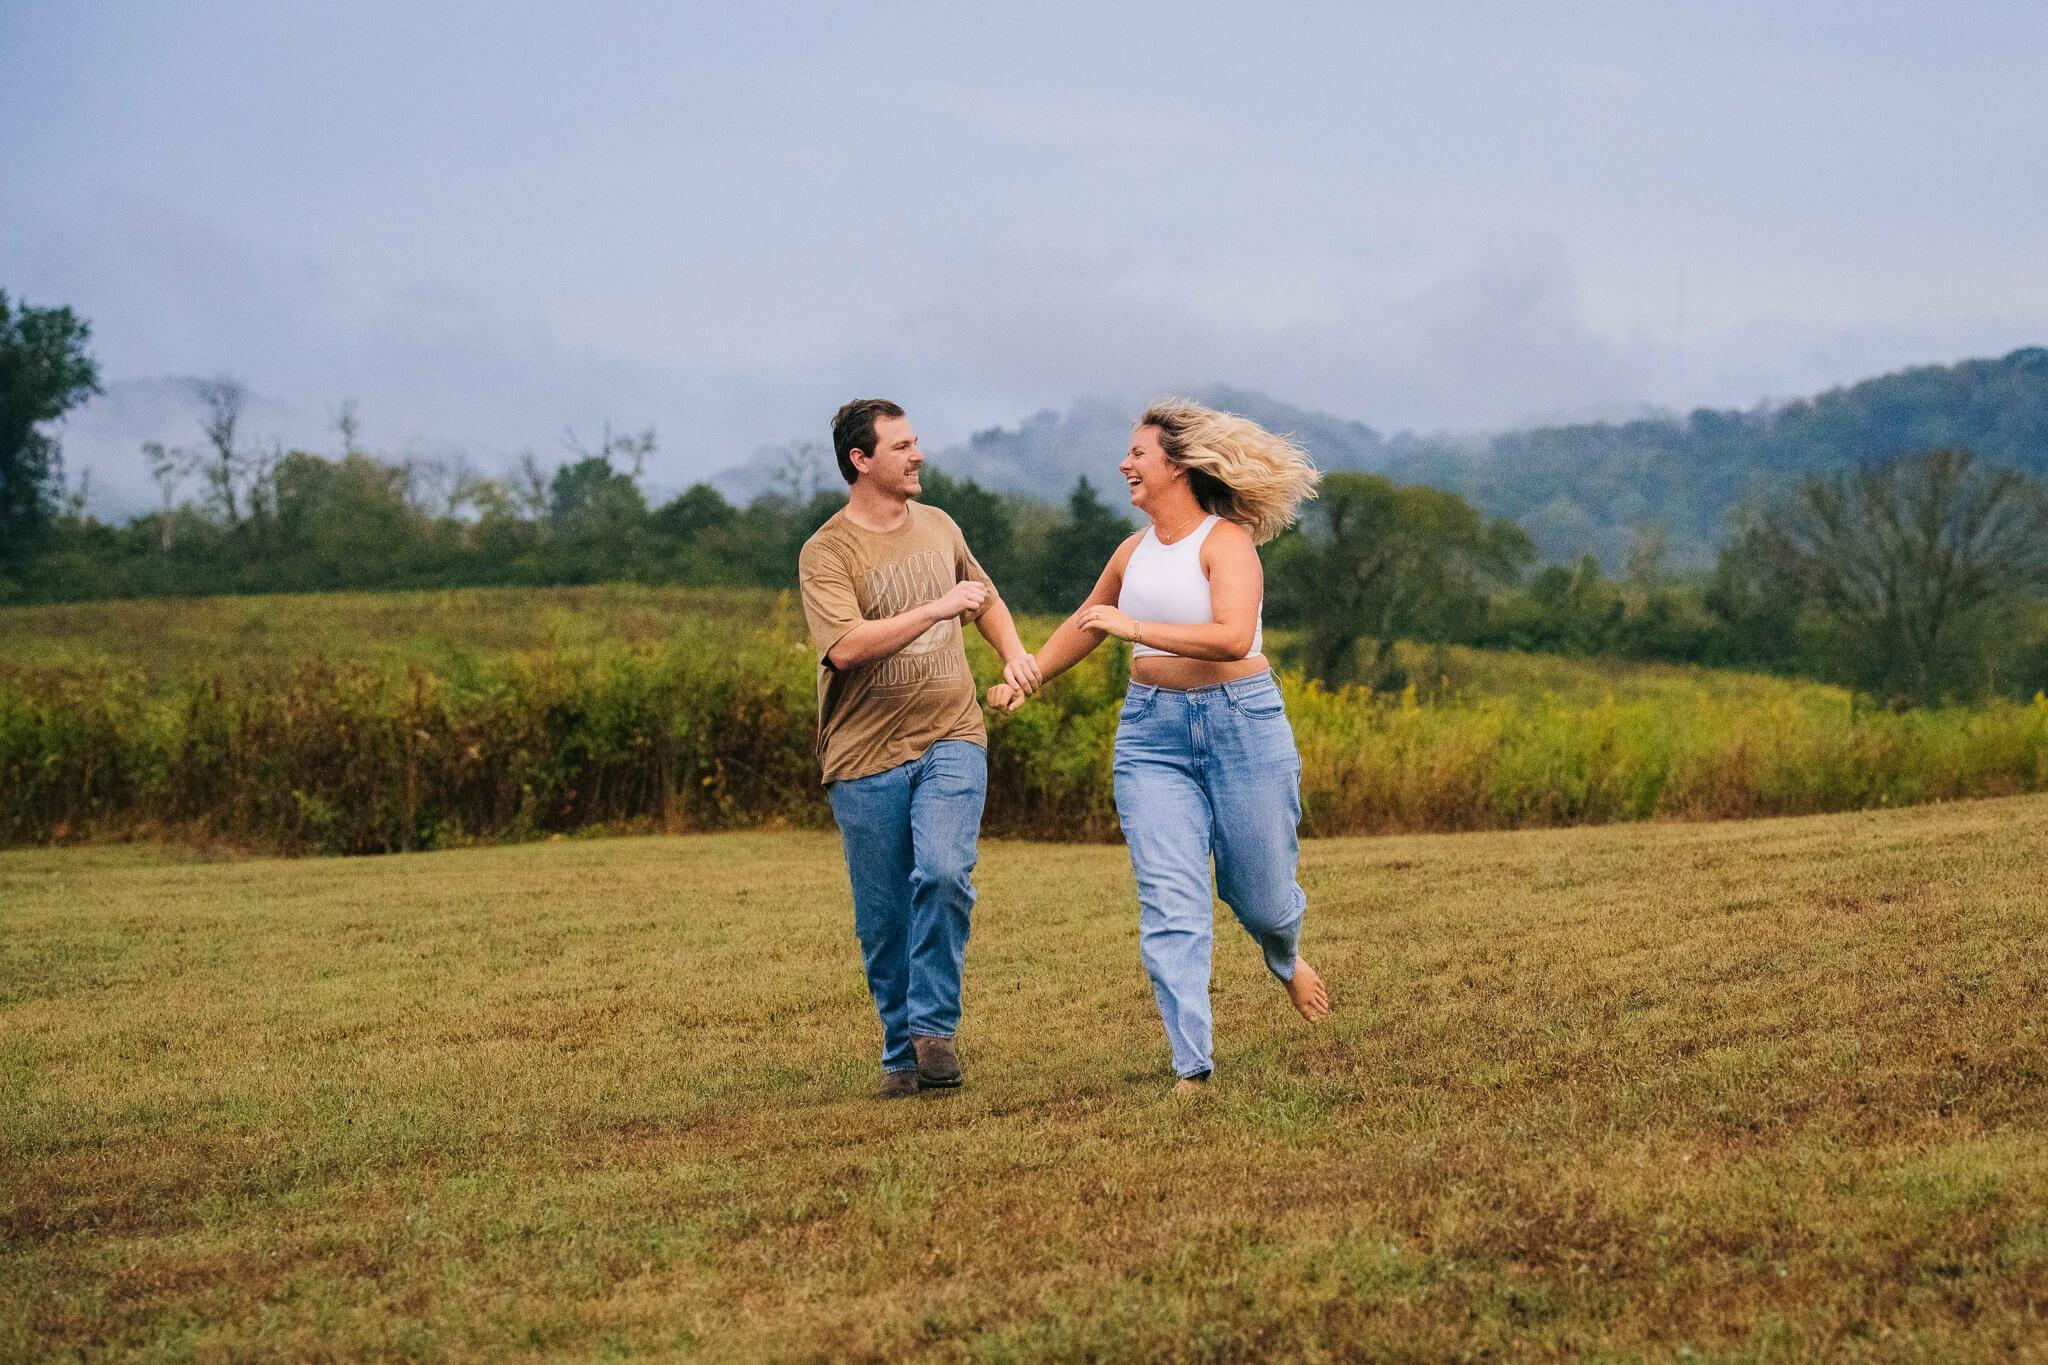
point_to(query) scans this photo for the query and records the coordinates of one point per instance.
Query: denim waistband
(1236, 687)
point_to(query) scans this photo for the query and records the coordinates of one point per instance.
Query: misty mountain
(1047, 451)
(1588, 488)
(1591, 487)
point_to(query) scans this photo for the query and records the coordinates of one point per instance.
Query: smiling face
(1146, 469)
(892, 467)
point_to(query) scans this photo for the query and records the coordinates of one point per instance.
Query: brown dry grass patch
(1765, 1091)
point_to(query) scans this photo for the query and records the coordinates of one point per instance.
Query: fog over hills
(1044, 454)
(1589, 487)
(1583, 488)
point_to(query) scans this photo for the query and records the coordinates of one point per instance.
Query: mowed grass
(1762, 1091)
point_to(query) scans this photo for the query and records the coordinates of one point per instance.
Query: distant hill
(1586, 488)
(1582, 488)
(1047, 451)
(1589, 487)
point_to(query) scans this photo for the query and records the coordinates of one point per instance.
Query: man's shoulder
(829, 537)
(828, 552)
(933, 519)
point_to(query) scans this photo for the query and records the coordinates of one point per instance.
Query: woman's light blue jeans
(910, 834)
(1201, 774)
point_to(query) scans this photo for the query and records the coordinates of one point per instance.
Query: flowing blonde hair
(1237, 469)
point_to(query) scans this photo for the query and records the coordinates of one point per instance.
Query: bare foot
(1307, 993)
(1191, 1085)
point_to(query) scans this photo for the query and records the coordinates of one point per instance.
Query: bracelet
(1137, 632)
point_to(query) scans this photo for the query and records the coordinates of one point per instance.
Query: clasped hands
(1021, 676)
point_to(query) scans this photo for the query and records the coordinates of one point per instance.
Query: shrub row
(697, 734)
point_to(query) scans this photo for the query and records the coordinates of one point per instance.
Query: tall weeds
(712, 727)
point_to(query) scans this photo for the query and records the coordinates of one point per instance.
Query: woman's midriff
(1166, 670)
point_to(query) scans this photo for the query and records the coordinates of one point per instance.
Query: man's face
(893, 465)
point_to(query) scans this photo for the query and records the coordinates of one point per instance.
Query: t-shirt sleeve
(966, 566)
(831, 609)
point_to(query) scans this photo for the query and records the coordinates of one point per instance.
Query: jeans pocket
(1259, 702)
(1136, 706)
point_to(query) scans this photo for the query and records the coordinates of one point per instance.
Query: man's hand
(1004, 697)
(1108, 619)
(960, 599)
(1023, 674)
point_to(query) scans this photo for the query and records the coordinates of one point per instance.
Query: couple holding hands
(1205, 763)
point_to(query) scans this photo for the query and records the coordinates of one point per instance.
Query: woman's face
(1146, 468)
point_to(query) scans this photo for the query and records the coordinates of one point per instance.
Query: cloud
(1472, 349)
(727, 356)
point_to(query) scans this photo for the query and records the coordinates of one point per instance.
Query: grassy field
(165, 640)
(168, 639)
(1765, 1091)
(370, 723)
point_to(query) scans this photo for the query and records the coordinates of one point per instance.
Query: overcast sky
(491, 222)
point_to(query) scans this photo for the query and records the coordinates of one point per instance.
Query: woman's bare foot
(1307, 993)
(1191, 1085)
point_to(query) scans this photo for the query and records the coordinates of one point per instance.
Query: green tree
(1564, 611)
(1069, 559)
(1907, 559)
(345, 523)
(1763, 627)
(692, 511)
(45, 371)
(598, 517)
(1375, 561)
(983, 518)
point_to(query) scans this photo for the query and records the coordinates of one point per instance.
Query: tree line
(1915, 578)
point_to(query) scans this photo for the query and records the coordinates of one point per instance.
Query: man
(886, 584)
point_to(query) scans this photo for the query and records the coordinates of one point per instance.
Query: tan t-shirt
(876, 715)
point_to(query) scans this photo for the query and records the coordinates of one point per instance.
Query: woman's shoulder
(1228, 545)
(1120, 557)
(1227, 534)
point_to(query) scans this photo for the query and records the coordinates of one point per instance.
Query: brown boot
(938, 1065)
(897, 1085)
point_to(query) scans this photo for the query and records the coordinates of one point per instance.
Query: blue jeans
(910, 835)
(1210, 772)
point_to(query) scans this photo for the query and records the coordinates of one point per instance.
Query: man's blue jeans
(910, 835)
(1210, 773)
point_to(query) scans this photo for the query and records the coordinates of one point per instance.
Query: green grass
(168, 639)
(377, 723)
(165, 639)
(1762, 1091)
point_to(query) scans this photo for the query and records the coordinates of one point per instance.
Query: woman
(1205, 760)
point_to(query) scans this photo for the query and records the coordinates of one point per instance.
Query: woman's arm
(1236, 583)
(1072, 642)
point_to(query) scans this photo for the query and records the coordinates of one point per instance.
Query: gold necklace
(1180, 531)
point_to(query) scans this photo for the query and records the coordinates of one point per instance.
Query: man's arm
(872, 640)
(999, 628)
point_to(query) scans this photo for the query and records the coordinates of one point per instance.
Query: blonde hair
(1237, 469)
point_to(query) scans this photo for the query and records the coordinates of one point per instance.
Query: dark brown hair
(853, 428)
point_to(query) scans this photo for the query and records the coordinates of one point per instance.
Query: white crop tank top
(1165, 583)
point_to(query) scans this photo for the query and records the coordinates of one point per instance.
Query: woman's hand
(1108, 620)
(1004, 697)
